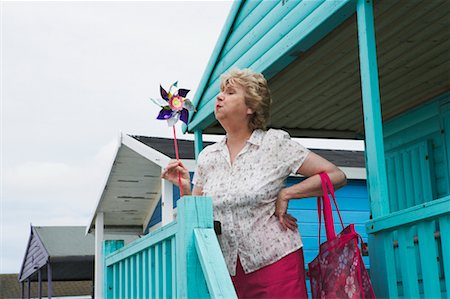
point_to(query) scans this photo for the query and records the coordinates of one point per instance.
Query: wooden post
(198, 142)
(374, 151)
(166, 202)
(29, 288)
(49, 280)
(193, 212)
(98, 263)
(22, 290)
(375, 160)
(39, 283)
(109, 246)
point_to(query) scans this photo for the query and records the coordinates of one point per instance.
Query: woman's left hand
(281, 205)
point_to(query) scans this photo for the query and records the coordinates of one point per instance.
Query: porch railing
(416, 248)
(180, 260)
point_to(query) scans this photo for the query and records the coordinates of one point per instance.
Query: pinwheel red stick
(174, 106)
(178, 159)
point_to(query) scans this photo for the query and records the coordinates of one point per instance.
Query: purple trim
(34, 234)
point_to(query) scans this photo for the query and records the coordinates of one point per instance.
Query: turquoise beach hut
(353, 69)
(372, 70)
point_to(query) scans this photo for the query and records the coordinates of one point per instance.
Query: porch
(358, 69)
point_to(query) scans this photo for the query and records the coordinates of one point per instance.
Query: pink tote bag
(338, 271)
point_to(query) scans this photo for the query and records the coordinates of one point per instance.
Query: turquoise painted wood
(412, 182)
(424, 126)
(218, 285)
(374, 143)
(197, 213)
(410, 216)
(214, 56)
(430, 269)
(416, 249)
(444, 225)
(375, 160)
(275, 31)
(171, 262)
(198, 142)
(110, 246)
(417, 162)
(408, 263)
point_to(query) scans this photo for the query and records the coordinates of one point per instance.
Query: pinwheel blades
(174, 104)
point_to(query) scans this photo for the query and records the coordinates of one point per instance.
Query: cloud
(49, 194)
(75, 74)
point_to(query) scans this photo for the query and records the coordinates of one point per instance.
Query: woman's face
(231, 107)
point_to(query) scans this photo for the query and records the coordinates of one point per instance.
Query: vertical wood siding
(417, 156)
(416, 232)
(166, 263)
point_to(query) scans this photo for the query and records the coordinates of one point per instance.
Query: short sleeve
(199, 175)
(291, 154)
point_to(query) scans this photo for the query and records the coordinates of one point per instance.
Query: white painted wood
(166, 202)
(356, 173)
(98, 264)
(145, 151)
(99, 200)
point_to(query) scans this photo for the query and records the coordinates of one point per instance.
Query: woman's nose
(220, 97)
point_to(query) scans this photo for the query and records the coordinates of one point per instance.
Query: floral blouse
(244, 195)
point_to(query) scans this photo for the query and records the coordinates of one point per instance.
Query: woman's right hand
(170, 173)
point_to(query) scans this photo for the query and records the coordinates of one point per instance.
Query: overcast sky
(73, 76)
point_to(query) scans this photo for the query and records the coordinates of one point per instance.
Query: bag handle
(327, 187)
(331, 188)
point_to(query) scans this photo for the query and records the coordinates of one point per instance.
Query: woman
(244, 174)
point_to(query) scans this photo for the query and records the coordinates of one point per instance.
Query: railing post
(198, 143)
(109, 246)
(192, 212)
(375, 159)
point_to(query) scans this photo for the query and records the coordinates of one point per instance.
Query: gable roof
(69, 251)
(64, 241)
(308, 51)
(166, 146)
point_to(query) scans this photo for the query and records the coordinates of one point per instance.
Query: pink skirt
(282, 279)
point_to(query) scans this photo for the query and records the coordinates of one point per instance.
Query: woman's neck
(236, 140)
(238, 136)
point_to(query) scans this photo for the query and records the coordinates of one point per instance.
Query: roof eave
(224, 34)
(100, 198)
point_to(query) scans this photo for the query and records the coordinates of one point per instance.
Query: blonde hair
(257, 94)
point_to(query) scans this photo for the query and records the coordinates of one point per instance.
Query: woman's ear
(250, 111)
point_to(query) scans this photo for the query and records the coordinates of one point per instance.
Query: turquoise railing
(180, 260)
(416, 243)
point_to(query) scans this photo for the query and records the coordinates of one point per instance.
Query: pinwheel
(175, 107)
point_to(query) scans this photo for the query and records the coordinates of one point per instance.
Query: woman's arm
(310, 187)
(170, 173)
